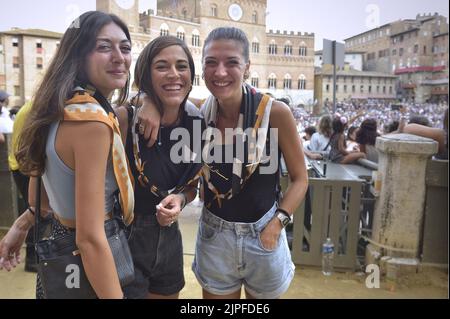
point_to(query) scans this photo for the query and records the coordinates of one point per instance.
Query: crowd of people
(384, 112)
(363, 123)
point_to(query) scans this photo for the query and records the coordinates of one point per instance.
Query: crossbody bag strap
(37, 213)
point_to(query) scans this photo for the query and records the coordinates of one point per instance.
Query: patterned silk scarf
(84, 107)
(254, 114)
(192, 173)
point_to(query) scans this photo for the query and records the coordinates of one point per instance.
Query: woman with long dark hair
(71, 138)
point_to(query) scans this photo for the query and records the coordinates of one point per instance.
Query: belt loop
(220, 225)
(253, 228)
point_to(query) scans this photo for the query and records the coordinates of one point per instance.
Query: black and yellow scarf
(254, 114)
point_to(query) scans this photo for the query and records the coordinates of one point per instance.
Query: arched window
(195, 38)
(303, 49)
(184, 12)
(196, 80)
(254, 17)
(272, 47)
(181, 33)
(288, 48)
(255, 80)
(164, 29)
(302, 82)
(213, 10)
(287, 82)
(272, 82)
(255, 45)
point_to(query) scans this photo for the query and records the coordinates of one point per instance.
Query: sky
(330, 19)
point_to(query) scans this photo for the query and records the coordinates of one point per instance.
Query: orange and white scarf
(83, 107)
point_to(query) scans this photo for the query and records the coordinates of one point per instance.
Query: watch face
(125, 4)
(235, 12)
(283, 219)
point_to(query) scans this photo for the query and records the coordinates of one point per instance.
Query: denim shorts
(158, 258)
(229, 255)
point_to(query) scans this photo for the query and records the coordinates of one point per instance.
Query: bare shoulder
(91, 132)
(279, 114)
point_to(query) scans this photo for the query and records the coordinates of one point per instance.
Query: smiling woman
(164, 72)
(71, 138)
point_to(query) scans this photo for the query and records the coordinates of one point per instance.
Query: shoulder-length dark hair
(142, 72)
(367, 133)
(66, 71)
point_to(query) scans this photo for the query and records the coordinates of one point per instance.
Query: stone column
(399, 210)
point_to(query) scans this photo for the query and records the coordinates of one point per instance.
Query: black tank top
(256, 197)
(160, 170)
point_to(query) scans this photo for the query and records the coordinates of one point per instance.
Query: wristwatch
(285, 220)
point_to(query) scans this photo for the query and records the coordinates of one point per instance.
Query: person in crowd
(72, 139)
(437, 134)
(391, 127)
(164, 73)
(320, 140)
(309, 131)
(419, 119)
(351, 143)
(22, 183)
(243, 215)
(366, 137)
(338, 152)
(6, 123)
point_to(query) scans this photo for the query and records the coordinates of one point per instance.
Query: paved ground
(307, 283)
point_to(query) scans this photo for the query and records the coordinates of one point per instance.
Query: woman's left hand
(271, 234)
(169, 209)
(10, 247)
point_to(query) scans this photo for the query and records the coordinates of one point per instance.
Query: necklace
(161, 126)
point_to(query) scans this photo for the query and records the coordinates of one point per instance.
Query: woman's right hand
(11, 244)
(149, 120)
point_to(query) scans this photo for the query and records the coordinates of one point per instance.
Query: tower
(127, 10)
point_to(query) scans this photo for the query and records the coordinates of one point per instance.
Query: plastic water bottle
(327, 257)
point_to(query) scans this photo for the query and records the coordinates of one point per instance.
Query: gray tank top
(59, 181)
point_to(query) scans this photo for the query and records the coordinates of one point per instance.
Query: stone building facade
(407, 48)
(24, 56)
(353, 85)
(282, 62)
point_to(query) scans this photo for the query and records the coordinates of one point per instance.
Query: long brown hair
(65, 72)
(142, 73)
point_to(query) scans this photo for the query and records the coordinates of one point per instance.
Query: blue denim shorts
(229, 255)
(158, 258)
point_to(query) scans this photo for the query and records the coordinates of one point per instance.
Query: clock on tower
(235, 12)
(125, 4)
